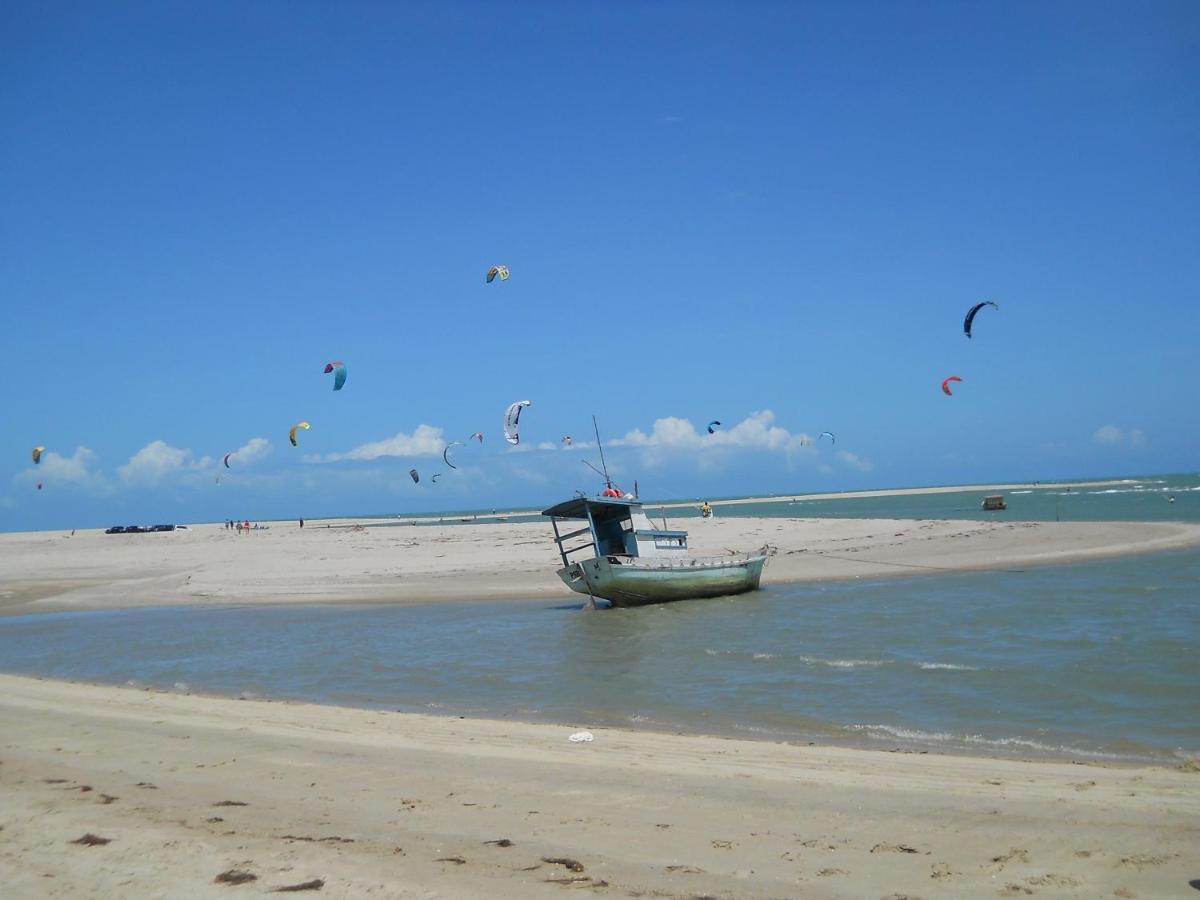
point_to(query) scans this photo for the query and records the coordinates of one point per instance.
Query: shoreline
(960, 748)
(187, 786)
(211, 566)
(453, 517)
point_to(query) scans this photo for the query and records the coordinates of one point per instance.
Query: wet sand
(185, 788)
(336, 562)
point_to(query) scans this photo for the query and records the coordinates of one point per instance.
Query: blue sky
(774, 215)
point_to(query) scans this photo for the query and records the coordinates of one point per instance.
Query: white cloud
(854, 461)
(157, 460)
(78, 470)
(756, 432)
(251, 452)
(1111, 435)
(75, 468)
(425, 441)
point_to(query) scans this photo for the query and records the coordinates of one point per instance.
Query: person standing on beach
(301, 523)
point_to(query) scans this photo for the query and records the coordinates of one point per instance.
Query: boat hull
(639, 582)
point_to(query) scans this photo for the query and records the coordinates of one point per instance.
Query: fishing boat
(632, 563)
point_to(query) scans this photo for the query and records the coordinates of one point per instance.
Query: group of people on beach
(240, 526)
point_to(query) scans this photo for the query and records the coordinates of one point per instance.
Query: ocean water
(1092, 662)
(1145, 499)
(1135, 499)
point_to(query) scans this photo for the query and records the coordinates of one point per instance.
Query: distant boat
(632, 563)
(994, 502)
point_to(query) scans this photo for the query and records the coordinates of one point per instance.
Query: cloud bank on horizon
(1111, 435)
(669, 440)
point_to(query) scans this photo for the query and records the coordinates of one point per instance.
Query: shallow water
(1142, 499)
(1135, 500)
(1093, 661)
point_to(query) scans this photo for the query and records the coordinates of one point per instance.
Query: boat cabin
(994, 502)
(616, 527)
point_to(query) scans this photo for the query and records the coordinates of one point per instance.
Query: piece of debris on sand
(230, 803)
(572, 865)
(235, 876)
(92, 840)
(315, 885)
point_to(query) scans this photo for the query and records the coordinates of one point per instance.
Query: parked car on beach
(116, 529)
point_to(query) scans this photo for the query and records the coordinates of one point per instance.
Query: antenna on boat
(594, 469)
(603, 464)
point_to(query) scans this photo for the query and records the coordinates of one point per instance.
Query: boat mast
(603, 465)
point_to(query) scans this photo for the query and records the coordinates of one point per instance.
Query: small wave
(755, 729)
(1022, 492)
(950, 666)
(843, 663)
(885, 732)
(764, 656)
(882, 732)
(1027, 744)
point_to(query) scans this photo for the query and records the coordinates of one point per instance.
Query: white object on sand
(581, 736)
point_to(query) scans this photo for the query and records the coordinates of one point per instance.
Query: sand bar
(210, 565)
(398, 805)
(980, 489)
(916, 491)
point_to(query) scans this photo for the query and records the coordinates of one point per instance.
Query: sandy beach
(334, 562)
(176, 789)
(184, 788)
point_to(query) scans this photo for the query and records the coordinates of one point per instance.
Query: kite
(227, 455)
(338, 368)
(502, 271)
(711, 429)
(436, 477)
(446, 452)
(946, 385)
(512, 420)
(292, 432)
(39, 485)
(970, 319)
(830, 433)
(412, 473)
(37, 454)
(568, 440)
(478, 435)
